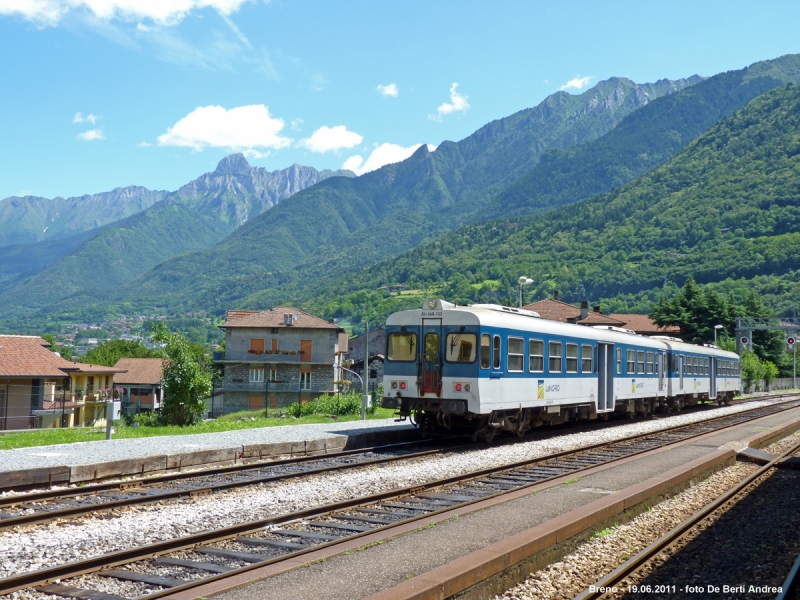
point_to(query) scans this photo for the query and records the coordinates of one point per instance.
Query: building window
(536, 356)
(257, 375)
(631, 362)
(305, 380)
(572, 358)
(554, 359)
(486, 351)
(586, 359)
(273, 375)
(516, 354)
(274, 342)
(257, 345)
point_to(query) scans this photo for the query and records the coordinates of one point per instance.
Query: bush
(149, 419)
(328, 404)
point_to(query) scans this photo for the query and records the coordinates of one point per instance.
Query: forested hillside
(725, 210)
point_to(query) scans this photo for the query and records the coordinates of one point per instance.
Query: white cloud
(577, 83)
(388, 90)
(245, 128)
(297, 124)
(326, 139)
(91, 135)
(144, 144)
(458, 102)
(79, 118)
(384, 154)
(163, 12)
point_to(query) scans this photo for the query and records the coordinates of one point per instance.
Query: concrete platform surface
(368, 571)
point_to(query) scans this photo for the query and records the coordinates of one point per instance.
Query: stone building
(140, 383)
(377, 344)
(279, 356)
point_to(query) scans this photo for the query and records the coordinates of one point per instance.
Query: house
(376, 346)
(278, 356)
(39, 389)
(554, 309)
(140, 383)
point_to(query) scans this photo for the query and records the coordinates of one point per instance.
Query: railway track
(613, 584)
(183, 563)
(43, 506)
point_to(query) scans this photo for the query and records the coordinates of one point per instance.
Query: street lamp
(716, 327)
(523, 281)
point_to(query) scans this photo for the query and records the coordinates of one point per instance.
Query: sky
(97, 94)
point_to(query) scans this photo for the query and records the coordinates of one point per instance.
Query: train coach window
(619, 361)
(461, 347)
(696, 366)
(486, 351)
(650, 363)
(687, 365)
(586, 359)
(554, 359)
(401, 346)
(496, 352)
(631, 362)
(640, 362)
(516, 354)
(536, 356)
(572, 358)
(705, 366)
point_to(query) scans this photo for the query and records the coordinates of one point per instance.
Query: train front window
(461, 347)
(536, 356)
(486, 351)
(554, 361)
(516, 354)
(572, 358)
(401, 346)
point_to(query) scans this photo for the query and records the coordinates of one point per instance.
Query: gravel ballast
(58, 542)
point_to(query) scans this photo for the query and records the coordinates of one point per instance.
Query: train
(483, 369)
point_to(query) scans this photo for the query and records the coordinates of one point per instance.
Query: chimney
(555, 295)
(584, 309)
(288, 319)
(597, 308)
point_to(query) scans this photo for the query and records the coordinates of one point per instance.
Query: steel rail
(791, 586)
(103, 562)
(602, 587)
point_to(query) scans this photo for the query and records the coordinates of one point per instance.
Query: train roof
(512, 318)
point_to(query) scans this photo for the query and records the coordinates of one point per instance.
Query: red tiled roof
(144, 371)
(644, 324)
(556, 310)
(274, 318)
(595, 318)
(28, 356)
(86, 368)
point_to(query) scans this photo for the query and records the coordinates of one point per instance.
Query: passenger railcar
(485, 368)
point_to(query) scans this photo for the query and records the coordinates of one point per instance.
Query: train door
(660, 366)
(605, 377)
(712, 374)
(430, 357)
(680, 370)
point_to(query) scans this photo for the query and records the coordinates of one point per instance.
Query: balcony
(274, 387)
(291, 357)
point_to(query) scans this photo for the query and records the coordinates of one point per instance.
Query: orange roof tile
(274, 318)
(144, 371)
(28, 356)
(554, 310)
(644, 324)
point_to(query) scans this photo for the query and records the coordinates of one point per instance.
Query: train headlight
(467, 387)
(394, 385)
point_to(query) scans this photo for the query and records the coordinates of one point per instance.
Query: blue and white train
(486, 368)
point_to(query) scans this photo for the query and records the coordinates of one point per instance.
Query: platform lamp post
(716, 328)
(523, 281)
(364, 397)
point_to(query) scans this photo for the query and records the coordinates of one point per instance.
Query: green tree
(752, 369)
(63, 351)
(186, 378)
(770, 373)
(108, 353)
(696, 312)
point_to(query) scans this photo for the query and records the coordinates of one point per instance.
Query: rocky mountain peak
(234, 164)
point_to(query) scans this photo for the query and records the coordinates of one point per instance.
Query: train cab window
(572, 358)
(586, 359)
(631, 362)
(650, 363)
(496, 352)
(554, 359)
(516, 354)
(461, 347)
(486, 351)
(640, 362)
(619, 361)
(401, 346)
(536, 356)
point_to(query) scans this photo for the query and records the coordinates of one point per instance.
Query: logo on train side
(633, 386)
(540, 389)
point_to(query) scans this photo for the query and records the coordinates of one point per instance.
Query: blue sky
(96, 94)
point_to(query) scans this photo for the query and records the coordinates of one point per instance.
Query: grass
(232, 422)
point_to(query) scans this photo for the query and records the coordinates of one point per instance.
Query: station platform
(84, 462)
(527, 530)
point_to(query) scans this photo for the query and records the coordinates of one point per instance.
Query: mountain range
(220, 242)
